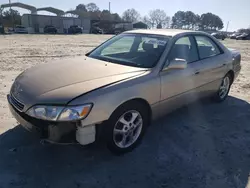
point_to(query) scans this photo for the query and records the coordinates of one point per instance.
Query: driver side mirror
(176, 64)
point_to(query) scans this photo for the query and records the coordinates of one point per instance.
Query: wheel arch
(139, 100)
(231, 73)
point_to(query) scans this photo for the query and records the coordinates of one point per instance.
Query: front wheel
(224, 89)
(126, 127)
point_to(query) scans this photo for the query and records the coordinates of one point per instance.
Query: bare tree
(131, 15)
(159, 18)
(147, 21)
(92, 7)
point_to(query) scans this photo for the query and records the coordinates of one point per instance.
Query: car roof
(166, 32)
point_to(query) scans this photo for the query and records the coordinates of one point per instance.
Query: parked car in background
(219, 35)
(234, 35)
(244, 36)
(75, 29)
(96, 30)
(115, 90)
(50, 29)
(20, 29)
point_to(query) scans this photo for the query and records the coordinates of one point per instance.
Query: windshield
(138, 50)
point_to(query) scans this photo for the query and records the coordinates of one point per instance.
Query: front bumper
(55, 132)
(51, 131)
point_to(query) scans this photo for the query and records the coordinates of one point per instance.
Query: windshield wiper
(118, 61)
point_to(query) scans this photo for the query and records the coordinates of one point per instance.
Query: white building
(35, 23)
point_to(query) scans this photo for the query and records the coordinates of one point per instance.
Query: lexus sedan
(114, 91)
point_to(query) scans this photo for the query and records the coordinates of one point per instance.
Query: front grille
(17, 104)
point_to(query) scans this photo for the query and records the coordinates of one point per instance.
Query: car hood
(60, 82)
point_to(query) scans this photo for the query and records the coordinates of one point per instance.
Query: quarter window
(206, 47)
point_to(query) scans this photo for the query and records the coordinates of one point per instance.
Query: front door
(178, 86)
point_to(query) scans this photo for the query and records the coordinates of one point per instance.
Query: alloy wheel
(224, 88)
(127, 129)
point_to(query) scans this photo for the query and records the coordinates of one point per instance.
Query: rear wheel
(126, 127)
(224, 88)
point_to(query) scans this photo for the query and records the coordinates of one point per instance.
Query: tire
(131, 137)
(221, 96)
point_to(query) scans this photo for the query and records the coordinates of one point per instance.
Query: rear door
(214, 64)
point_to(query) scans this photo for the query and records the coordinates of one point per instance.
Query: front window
(138, 50)
(184, 48)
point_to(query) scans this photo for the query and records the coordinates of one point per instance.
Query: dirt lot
(204, 145)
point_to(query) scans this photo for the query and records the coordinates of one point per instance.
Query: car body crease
(143, 71)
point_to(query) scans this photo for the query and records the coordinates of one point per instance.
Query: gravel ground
(204, 145)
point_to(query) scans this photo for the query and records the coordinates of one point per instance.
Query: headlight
(60, 113)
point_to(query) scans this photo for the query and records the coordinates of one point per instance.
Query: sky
(237, 13)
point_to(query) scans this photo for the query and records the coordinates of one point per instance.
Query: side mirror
(176, 64)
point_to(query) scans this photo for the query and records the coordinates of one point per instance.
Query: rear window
(206, 47)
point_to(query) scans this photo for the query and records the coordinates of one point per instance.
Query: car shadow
(202, 145)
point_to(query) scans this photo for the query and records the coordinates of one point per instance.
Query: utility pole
(227, 26)
(109, 7)
(12, 16)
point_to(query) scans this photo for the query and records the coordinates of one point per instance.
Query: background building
(35, 23)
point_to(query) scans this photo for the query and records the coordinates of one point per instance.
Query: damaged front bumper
(55, 132)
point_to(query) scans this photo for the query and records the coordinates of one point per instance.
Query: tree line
(243, 30)
(92, 11)
(181, 20)
(154, 19)
(157, 18)
(190, 20)
(10, 17)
